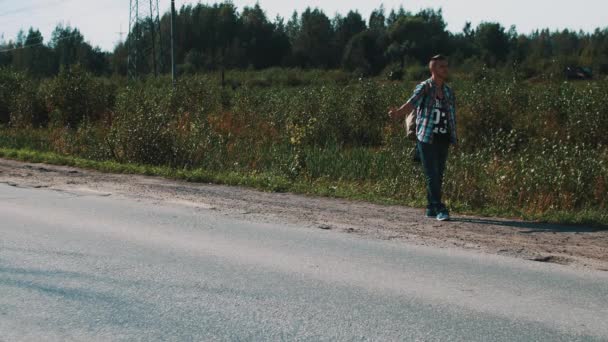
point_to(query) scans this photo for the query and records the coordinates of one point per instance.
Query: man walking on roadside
(435, 106)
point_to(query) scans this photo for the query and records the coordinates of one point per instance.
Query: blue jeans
(434, 157)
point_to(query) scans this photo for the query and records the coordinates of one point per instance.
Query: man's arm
(401, 112)
(413, 102)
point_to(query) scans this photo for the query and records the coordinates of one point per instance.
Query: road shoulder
(576, 246)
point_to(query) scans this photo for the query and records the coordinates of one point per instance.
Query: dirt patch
(568, 245)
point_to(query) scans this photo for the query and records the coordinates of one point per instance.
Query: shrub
(525, 146)
(75, 96)
(140, 128)
(20, 105)
(9, 81)
(417, 73)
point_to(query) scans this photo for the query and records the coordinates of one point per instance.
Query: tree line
(216, 36)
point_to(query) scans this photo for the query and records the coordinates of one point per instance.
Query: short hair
(437, 58)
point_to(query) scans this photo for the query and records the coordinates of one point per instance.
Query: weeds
(533, 150)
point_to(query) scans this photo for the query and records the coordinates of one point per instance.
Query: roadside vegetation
(535, 149)
(303, 107)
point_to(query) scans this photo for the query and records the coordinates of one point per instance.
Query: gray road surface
(85, 267)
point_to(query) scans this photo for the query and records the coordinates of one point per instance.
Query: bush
(20, 105)
(140, 127)
(417, 73)
(75, 96)
(87, 141)
(525, 146)
(9, 85)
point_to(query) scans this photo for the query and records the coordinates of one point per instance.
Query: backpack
(410, 125)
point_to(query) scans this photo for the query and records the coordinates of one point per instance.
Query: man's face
(441, 69)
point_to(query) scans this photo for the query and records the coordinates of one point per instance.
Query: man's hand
(395, 114)
(398, 114)
(391, 112)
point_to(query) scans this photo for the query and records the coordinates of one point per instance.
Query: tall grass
(528, 148)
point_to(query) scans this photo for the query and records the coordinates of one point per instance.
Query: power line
(31, 7)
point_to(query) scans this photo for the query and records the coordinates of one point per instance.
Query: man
(435, 105)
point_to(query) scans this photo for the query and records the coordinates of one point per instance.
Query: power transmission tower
(120, 34)
(144, 40)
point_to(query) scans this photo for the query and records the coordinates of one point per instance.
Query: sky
(102, 21)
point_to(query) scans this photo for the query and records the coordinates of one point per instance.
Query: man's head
(439, 67)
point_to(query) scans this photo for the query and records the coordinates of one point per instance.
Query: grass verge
(363, 191)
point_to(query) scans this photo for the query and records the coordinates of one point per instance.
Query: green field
(533, 149)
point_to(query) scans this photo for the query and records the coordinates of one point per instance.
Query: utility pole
(173, 78)
(153, 34)
(133, 38)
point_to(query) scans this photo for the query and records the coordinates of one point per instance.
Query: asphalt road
(89, 267)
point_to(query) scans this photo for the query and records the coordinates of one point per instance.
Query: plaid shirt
(423, 100)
